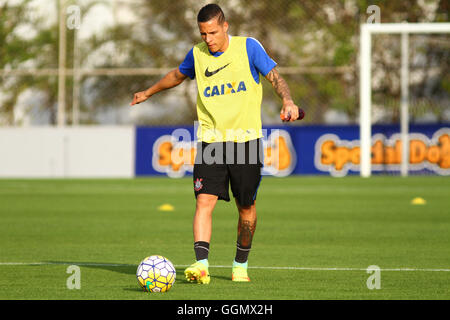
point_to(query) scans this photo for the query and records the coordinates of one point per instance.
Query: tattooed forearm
(246, 230)
(279, 84)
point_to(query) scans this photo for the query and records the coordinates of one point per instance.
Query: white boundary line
(89, 264)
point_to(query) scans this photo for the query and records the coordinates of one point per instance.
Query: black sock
(241, 253)
(201, 249)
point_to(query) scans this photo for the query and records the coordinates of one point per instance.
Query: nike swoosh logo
(211, 73)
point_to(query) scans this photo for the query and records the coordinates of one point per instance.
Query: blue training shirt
(259, 60)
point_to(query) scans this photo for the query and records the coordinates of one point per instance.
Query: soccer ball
(156, 274)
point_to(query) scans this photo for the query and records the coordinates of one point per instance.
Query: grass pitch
(315, 238)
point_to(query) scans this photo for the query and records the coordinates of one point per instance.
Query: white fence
(77, 152)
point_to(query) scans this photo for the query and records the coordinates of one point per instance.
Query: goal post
(365, 89)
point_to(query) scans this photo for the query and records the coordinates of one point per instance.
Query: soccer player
(227, 70)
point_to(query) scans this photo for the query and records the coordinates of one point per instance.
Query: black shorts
(223, 164)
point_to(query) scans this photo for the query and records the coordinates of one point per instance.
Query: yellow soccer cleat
(197, 272)
(239, 274)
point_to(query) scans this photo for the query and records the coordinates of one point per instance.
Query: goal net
(404, 79)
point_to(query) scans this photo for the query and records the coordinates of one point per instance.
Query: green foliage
(311, 33)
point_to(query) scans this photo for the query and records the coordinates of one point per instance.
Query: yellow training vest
(229, 99)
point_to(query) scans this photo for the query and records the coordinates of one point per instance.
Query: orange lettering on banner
(268, 156)
(183, 156)
(378, 152)
(285, 159)
(169, 157)
(398, 151)
(327, 152)
(278, 156)
(165, 153)
(444, 142)
(342, 157)
(336, 154)
(355, 155)
(433, 154)
(417, 151)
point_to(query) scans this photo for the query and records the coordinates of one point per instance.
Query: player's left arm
(289, 109)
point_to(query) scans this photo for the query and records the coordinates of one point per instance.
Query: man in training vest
(227, 70)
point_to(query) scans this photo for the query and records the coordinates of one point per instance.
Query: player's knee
(247, 211)
(206, 203)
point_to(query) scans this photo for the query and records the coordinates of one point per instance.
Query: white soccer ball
(156, 274)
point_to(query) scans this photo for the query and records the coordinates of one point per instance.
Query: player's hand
(289, 112)
(139, 97)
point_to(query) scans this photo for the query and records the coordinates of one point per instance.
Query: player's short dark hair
(211, 11)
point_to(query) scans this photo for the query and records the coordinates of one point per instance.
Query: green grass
(108, 226)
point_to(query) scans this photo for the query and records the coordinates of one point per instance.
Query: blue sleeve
(259, 60)
(187, 67)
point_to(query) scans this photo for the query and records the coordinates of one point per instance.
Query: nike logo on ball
(210, 73)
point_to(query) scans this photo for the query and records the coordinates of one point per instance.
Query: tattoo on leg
(246, 230)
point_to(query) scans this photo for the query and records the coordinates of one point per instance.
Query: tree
(297, 34)
(39, 50)
(14, 52)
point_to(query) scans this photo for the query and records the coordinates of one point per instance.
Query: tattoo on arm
(279, 84)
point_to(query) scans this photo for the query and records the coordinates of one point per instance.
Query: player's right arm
(170, 80)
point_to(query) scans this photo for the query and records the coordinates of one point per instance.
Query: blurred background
(68, 72)
(113, 48)
(69, 69)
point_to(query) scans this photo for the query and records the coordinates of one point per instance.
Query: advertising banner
(326, 150)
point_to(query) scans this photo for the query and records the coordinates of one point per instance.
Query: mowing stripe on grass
(92, 264)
